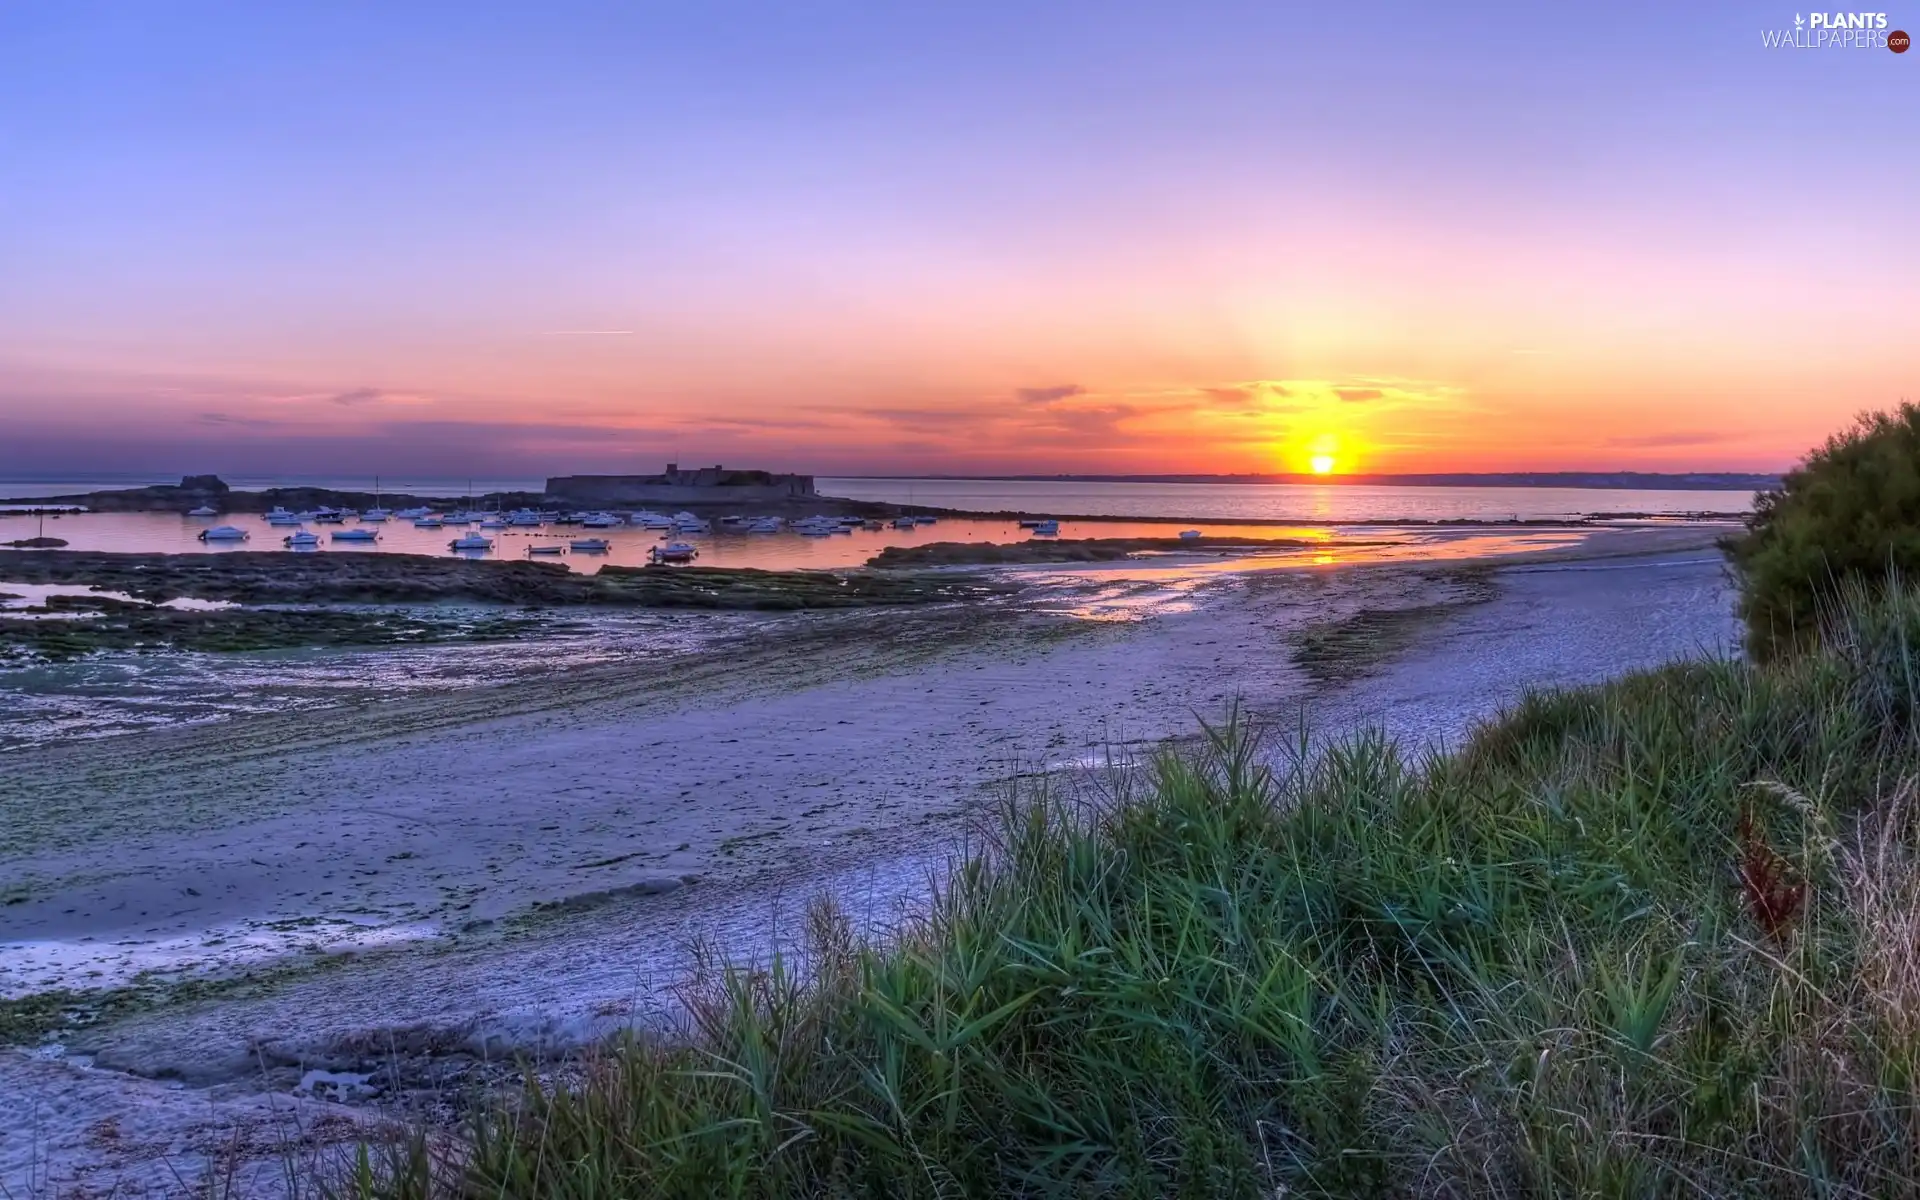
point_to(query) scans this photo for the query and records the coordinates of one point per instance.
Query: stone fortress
(703, 485)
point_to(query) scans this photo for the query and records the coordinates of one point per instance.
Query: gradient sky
(478, 238)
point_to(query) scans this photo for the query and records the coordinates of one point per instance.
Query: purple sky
(486, 239)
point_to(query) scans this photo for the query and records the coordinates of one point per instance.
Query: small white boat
(591, 545)
(523, 518)
(923, 520)
(650, 520)
(600, 520)
(375, 514)
(205, 510)
(764, 525)
(1189, 533)
(546, 549)
(329, 516)
(470, 541)
(426, 522)
(674, 552)
(1046, 528)
(355, 535)
(223, 533)
(904, 522)
(493, 523)
(304, 540)
(686, 522)
(411, 514)
(280, 516)
(458, 518)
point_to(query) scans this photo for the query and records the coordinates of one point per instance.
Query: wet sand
(524, 868)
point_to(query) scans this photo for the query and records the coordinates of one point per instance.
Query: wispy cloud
(1701, 437)
(928, 420)
(1271, 397)
(237, 422)
(357, 397)
(1048, 395)
(1085, 428)
(757, 424)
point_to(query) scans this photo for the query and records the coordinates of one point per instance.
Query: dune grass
(1653, 938)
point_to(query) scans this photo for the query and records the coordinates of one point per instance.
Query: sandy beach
(404, 892)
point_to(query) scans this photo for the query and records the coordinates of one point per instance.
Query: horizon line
(1732, 479)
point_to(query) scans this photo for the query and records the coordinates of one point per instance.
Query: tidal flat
(276, 601)
(272, 577)
(68, 627)
(402, 889)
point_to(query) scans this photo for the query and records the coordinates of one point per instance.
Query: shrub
(1850, 511)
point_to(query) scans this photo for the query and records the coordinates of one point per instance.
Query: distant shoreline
(423, 490)
(1691, 481)
(182, 498)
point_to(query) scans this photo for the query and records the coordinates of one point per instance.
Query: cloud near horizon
(1656, 440)
(1261, 424)
(229, 419)
(1047, 395)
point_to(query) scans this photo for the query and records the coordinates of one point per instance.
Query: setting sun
(1322, 464)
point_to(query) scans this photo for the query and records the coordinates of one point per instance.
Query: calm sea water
(1305, 503)
(116, 693)
(63, 485)
(1321, 513)
(171, 533)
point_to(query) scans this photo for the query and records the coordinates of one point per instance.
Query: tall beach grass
(1656, 937)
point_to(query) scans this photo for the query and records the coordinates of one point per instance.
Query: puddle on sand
(1124, 599)
(17, 596)
(108, 962)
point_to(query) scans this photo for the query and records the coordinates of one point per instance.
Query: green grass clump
(1850, 511)
(1660, 937)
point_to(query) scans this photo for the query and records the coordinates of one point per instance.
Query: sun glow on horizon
(1323, 454)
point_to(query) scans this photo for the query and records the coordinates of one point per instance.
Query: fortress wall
(628, 490)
